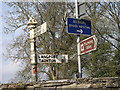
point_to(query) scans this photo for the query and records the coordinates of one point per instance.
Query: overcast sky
(0, 43)
(8, 68)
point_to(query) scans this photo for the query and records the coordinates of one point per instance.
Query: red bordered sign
(88, 45)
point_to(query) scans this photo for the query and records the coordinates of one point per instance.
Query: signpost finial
(32, 21)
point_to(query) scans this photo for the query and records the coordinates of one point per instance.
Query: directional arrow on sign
(81, 31)
(88, 45)
(79, 26)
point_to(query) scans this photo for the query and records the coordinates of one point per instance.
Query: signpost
(50, 58)
(41, 29)
(79, 26)
(33, 34)
(32, 25)
(88, 45)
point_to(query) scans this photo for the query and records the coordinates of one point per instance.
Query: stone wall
(110, 83)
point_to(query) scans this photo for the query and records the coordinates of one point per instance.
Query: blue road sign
(79, 26)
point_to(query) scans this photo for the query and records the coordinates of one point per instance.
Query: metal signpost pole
(32, 25)
(78, 44)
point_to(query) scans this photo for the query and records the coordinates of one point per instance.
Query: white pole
(33, 55)
(78, 44)
(76, 8)
(32, 25)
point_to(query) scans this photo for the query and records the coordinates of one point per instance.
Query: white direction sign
(50, 58)
(41, 29)
(81, 9)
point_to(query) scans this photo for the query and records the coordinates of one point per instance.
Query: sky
(8, 68)
(0, 43)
